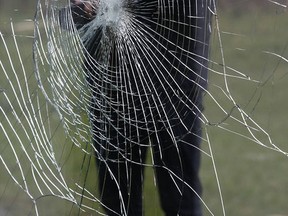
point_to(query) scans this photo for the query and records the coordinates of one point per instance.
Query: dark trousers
(176, 155)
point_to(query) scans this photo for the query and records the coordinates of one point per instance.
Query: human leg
(120, 175)
(177, 163)
(119, 157)
(120, 185)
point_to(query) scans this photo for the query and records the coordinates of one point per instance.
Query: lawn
(252, 177)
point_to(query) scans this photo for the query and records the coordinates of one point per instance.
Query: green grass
(252, 178)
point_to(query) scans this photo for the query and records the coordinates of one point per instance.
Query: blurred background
(253, 178)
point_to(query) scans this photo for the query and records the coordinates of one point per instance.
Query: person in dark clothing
(154, 99)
